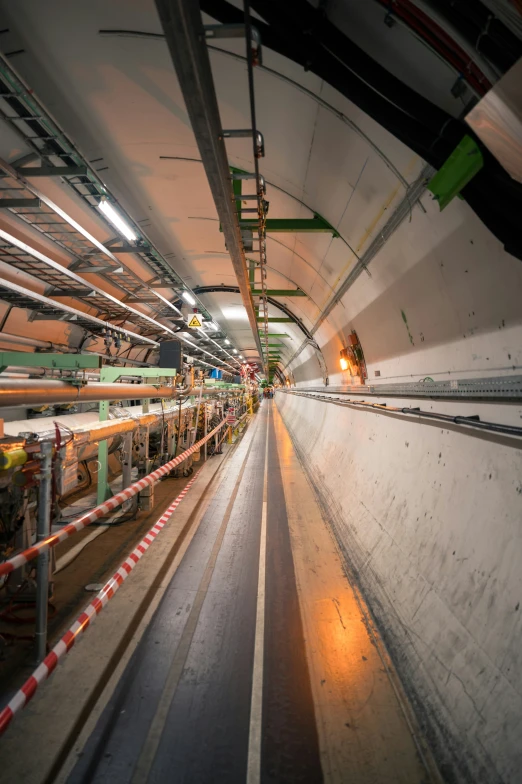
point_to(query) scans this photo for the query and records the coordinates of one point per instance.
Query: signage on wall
(194, 321)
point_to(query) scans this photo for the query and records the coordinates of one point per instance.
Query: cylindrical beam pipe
(32, 392)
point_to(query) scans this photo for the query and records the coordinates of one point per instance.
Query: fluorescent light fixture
(234, 350)
(117, 221)
(227, 342)
(241, 356)
(187, 296)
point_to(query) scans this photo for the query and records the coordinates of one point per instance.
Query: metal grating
(495, 388)
(62, 282)
(19, 297)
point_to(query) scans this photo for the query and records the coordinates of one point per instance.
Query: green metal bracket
(51, 361)
(286, 225)
(108, 375)
(279, 293)
(275, 334)
(276, 320)
(463, 164)
(216, 384)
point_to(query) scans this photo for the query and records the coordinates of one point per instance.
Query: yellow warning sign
(194, 321)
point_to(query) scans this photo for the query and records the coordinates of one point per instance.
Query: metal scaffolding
(60, 158)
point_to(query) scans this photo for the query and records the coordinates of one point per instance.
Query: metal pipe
(126, 477)
(6, 337)
(42, 566)
(35, 392)
(46, 344)
(205, 414)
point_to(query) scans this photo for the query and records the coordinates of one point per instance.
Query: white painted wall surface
(429, 520)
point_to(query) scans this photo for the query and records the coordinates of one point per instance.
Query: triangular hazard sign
(194, 321)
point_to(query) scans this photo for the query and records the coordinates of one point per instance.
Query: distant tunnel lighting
(187, 296)
(234, 350)
(227, 341)
(241, 356)
(117, 221)
(344, 363)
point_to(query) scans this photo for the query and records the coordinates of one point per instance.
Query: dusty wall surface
(429, 521)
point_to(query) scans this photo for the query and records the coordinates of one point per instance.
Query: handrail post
(42, 532)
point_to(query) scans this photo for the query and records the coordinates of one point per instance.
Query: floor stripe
(254, 743)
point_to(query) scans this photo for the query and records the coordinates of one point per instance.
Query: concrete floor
(260, 662)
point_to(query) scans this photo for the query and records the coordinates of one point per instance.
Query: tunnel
(261, 391)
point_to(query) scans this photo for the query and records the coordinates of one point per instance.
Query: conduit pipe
(6, 337)
(473, 422)
(32, 392)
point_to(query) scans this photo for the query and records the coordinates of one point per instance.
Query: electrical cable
(468, 421)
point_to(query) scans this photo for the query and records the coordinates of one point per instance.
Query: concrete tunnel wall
(429, 521)
(443, 300)
(428, 518)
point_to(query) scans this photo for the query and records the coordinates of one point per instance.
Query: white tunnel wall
(429, 522)
(443, 299)
(429, 518)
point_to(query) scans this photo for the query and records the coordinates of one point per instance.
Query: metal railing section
(102, 509)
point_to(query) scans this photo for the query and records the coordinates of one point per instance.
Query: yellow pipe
(12, 458)
(111, 428)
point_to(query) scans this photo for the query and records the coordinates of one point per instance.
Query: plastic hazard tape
(44, 670)
(99, 511)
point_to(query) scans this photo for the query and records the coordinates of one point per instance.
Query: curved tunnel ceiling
(334, 143)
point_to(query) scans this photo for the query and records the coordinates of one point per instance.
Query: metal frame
(494, 388)
(185, 36)
(28, 118)
(20, 297)
(111, 375)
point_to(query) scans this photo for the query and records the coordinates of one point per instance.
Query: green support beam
(275, 334)
(277, 320)
(288, 225)
(463, 164)
(279, 293)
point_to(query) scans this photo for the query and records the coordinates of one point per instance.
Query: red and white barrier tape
(99, 511)
(44, 670)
